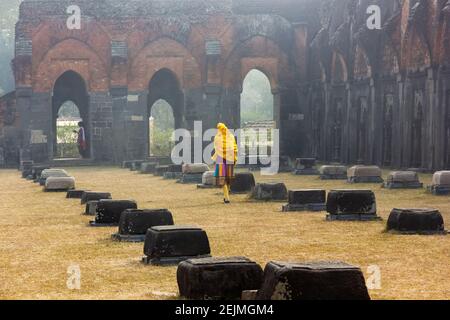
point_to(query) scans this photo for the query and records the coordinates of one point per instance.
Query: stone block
(351, 205)
(331, 172)
(134, 223)
(218, 278)
(91, 208)
(305, 166)
(364, 174)
(403, 180)
(172, 175)
(59, 183)
(243, 183)
(178, 168)
(191, 178)
(109, 211)
(75, 194)
(166, 245)
(161, 170)
(306, 200)
(51, 173)
(94, 195)
(270, 192)
(313, 281)
(416, 221)
(440, 184)
(148, 167)
(208, 181)
(195, 168)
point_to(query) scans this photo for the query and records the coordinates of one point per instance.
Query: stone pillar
(119, 97)
(100, 126)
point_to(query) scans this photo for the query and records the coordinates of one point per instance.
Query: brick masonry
(342, 92)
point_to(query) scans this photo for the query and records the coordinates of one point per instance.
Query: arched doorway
(161, 127)
(66, 128)
(257, 110)
(165, 110)
(70, 96)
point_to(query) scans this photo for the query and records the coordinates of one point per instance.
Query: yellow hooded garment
(225, 145)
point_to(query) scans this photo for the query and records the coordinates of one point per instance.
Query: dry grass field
(42, 234)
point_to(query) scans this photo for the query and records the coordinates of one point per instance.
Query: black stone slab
(173, 244)
(135, 222)
(416, 221)
(313, 281)
(109, 211)
(94, 195)
(218, 278)
(75, 194)
(270, 192)
(243, 183)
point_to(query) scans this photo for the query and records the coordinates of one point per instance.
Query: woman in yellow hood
(225, 157)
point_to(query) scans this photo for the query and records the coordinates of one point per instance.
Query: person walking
(81, 140)
(225, 156)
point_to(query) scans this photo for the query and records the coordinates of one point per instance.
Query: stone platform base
(333, 177)
(128, 237)
(403, 185)
(172, 175)
(191, 178)
(307, 207)
(95, 224)
(56, 190)
(170, 261)
(365, 180)
(306, 172)
(421, 233)
(207, 186)
(438, 190)
(353, 217)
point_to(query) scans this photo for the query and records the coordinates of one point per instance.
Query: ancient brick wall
(385, 90)
(342, 92)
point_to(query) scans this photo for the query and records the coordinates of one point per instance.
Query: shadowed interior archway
(70, 86)
(165, 86)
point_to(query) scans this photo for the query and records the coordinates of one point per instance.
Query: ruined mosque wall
(342, 92)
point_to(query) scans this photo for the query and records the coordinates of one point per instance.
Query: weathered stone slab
(305, 166)
(270, 192)
(161, 170)
(148, 167)
(208, 181)
(218, 278)
(136, 165)
(243, 183)
(440, 184)
(416, 221)
(37, 170)
(75, 194)
(178, 168)
(51, 173)
(59, 183)
(127, 164)
(403, 180)
(91, 208)
(331, 172)
(165, 245)
(26, 167)
(191, 178)
(306, 200)
(94, 195)
(364, 174)
(313, 281)
(133, 224)
(109, 211)
(195, 168)
(172, 175)
(352, 205)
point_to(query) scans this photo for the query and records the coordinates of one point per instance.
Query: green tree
(256, 98)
